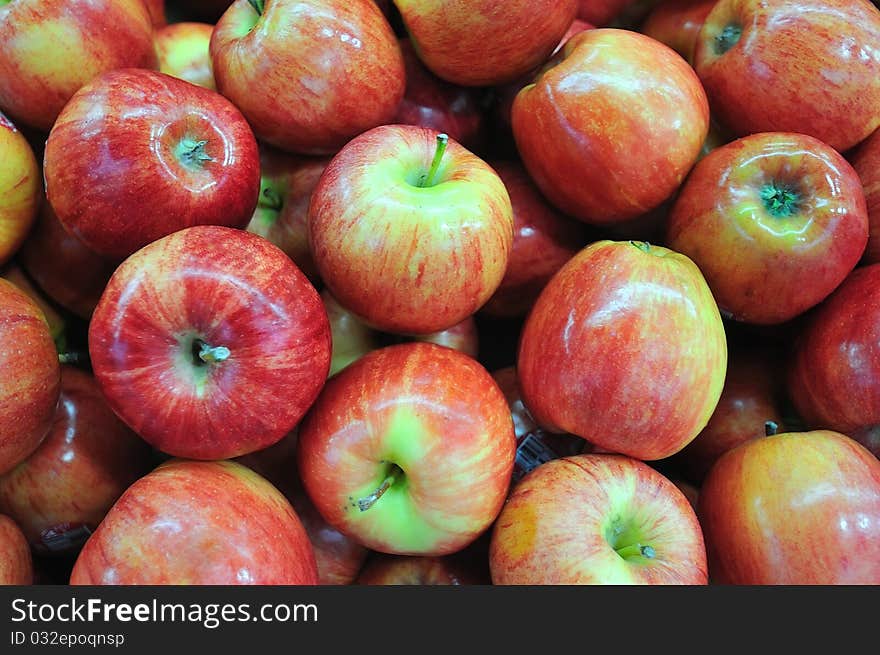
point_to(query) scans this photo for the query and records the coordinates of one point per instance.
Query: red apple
(56, 322)
(308, 75)
(16, 563)
(463, 337)
(610, 131)
(601, 12)
(31, 378)
(543, 240)
(625, 348)
(19, 189)
(156, 9)
(62, 491)
(49, 49)
(210, 343)
(137, 154)
(597, 519)
(793, 509)
(198, 523)
(409, 234)
(182, 49)
(677, 23)
(802, 66)
(387, 570)
(775, 221)
(866, 161)
(396, 454)
(690, 491)
(485, 43)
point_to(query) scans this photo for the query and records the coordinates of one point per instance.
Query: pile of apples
(466, 292)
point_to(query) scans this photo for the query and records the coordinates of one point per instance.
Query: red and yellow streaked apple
(16, 562)
(677, 23)
(56, 321)
(396, 454)
(866, 161)
(182, 49)
(156, 9)
(20, 189)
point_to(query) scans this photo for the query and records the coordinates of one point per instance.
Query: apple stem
(272, 199)
(636, 550)
(211, 354)
(367, 502)
(644, 246)
(428, 179)
(257, 5)
(770, 428)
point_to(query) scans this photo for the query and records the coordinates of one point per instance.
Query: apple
(62, 266)
(484, 43)
(286, 185)
(601, 147)
(625, 347)
(198, 523)
(464, 337)
(63, 490)
(31, 379)
(832, 378)
(56, 322)
(869, 437)
(866, 161)
(49, 49)
(690, 491)
(396, 454)
(775, 221)
(210, 343)
(138, 154)
(597, 519)
(543, 240)
(182, 49)
(351, 337)
(601, 12)
(798, 508)
(19, 188)
(309, 75)
(16, 563)
(387, 570)
(793, 66)
(677, 23)
(156, 9)
(410, 230)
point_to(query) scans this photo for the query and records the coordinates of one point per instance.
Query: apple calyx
(770, 428)
(728, 38)
(204, 353)
(191, 153)
(427, 179)
(780, 199)
(257, 5)
(367, 502)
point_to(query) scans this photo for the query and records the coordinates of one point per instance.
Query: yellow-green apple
(309, 75)
(31, 379)
(482, 42)
(410, 230)
(57, 323)
(210, 343)
(182, 49)
(832, 379)
(677, 23)
(543, 240)
(286, 185)
(198, 523)
(386, 570)
(396, 454)
(797, 508)
(351, 337)
(49, 49)
(611, 128)
(62, 266)
(20, 189)
(775, 221)
(16, 563)
(138, 154)
(806, 66)
(597, 519)
(625, 347)
(866, 161)
(156, 9)
(63, 490)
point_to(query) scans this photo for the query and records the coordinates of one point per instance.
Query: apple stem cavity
(728, 38)
(192, 153)
(257, 5)
(368, 501)
(204, 353)
(770, 428)
(780, 200)
(636, 550)
(428, 179)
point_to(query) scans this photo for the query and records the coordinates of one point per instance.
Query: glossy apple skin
(63, 490)
(310, 75)
(485, 43)
(765, 266)
(598, 146)
(799, 508)
(835, 366)
(625, 348)
(19, 189)
(286, 186)
(228, 288)
(16, 563)
(559, 524)
(677, 23)
(56, 322)
(432, 102)
(115, 175)
(410, 405)
(198, 523)
(543, 240)
(406, 259)
(182, 49)
(31, 380)
(387, 570)
(49, 49)
(799, 66)
(62, 266)
(866, 161)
